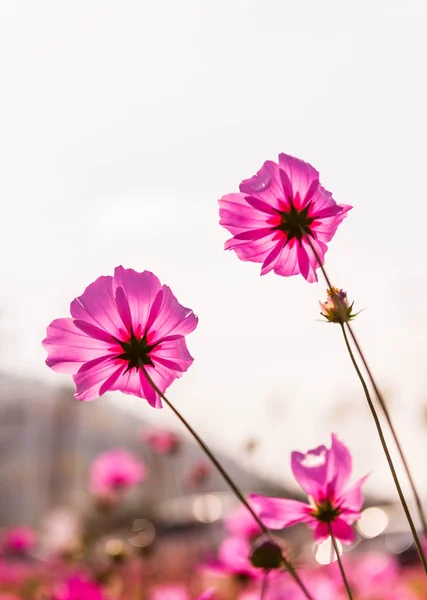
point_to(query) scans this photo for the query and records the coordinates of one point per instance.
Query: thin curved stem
(392, 429)
(239, 495)
(383, 405)
(341, 566)
(387, 417)
(386, 452)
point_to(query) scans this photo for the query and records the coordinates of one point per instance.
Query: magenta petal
(287, 187)
(94, 332)
(128, 383)
(321, 533)
(255, 234)
(339, 466)
(352, 498)
(237, 215)
(305, 264)
(260, 205)
(140, 290)
(97, 306)
(272, 259)
(90, 380)
(300, 173)
(278, 513)
(343, 532)
(68, 347)
(110, 381)
(310, 470)
(265, 185)
(287, 263)
(123, 309)
(168, 317)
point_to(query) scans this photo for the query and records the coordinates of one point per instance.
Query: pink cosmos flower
(323, 473)
(118, 324)
(275, 215)
(115, 470)
(161, 441)
(233, 555)
(77, 588)
(242, 524)
(19, 540)
(198, 474)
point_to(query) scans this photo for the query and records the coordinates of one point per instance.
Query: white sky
(121, 125)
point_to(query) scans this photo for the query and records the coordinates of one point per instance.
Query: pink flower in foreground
(242, 524)
(323, 473)
(115, 470)
(161, 441)
(19, 540)
(277, 214)
(118, 324)
(77, 588)
(233, 555)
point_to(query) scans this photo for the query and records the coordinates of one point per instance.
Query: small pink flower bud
(336, 309)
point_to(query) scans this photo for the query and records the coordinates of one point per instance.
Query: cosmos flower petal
(321, 532)
(237, 215)
(255, 234)
(272, 259)
(94, 332)
(278, 513)
(140, 290)
(174, 348)
(310, 470)
(309, 259)
(339, 466)
(300, 174)
(260, 205)
(168, 317)
(306, 269)
(265, 185)
(287, 263)
(352, 497)
(128, 383)
(162, 377)
(68, 347)
(343, 532)
(89, 380)
(97, 306)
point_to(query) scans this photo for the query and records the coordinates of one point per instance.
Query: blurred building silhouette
(48, 440)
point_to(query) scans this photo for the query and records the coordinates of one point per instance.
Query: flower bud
(336, 309)
(266, 554)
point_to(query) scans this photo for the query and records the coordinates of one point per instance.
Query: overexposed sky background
(122, 123)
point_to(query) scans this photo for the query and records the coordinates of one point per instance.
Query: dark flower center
(295, 223)
(136, 351)
(326, 512)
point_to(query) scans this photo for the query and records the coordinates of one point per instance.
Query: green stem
(239, 495)
(378, 424)
(393, 431)
(341, 566)
(386, 452)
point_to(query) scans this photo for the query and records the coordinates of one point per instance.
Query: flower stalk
(345, 323)
(341, 566)
(237, 492)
